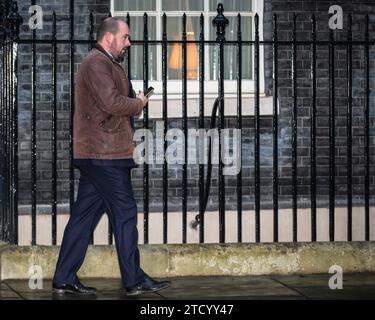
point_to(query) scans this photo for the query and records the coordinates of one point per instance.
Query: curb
(175, 260)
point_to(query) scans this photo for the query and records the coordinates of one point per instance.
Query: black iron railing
(10, 25)
(9, 30)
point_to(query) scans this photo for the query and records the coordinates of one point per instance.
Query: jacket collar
(101, 49)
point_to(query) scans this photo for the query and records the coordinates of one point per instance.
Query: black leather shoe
(79, 288)
(147, 285)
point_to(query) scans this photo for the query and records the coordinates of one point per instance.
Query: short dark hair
(109, 24)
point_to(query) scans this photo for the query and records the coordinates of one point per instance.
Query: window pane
(230, 51)
(174, 31)
(182, 5)
(136, 52)
(131, 5)
(231, 29)
(232, 5)
(136, 27)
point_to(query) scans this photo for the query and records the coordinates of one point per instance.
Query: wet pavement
(296, 287)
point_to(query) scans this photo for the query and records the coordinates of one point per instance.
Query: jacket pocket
(110, 124)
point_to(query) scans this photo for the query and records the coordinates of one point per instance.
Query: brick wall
(304, 10)
(284, 10)
(44, 94)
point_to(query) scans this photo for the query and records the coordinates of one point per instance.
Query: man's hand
(142, 97)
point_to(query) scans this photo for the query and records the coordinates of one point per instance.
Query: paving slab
(355, 286)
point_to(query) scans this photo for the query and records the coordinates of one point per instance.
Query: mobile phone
(149, 92)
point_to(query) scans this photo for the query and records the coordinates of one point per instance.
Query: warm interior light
(175, 60)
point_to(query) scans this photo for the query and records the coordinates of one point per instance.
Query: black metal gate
(10, 25)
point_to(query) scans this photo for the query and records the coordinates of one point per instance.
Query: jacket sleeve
(101, 85)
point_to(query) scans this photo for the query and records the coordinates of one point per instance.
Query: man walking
(103, 151)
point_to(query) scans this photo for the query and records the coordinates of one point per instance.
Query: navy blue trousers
(101, 189)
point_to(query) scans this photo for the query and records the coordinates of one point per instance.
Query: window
(174, 10)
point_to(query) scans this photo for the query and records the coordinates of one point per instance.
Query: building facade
(287, 117)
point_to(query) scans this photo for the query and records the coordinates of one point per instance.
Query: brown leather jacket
(101, 123)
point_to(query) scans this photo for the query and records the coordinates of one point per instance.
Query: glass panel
(174, 26)
(182, 5)
(132, 5)
(136, 32)
(232, 5)
(136, 27)
(231, 29)
(230, 51)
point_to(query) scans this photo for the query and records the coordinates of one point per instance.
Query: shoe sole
(137, 293)
(63, 291)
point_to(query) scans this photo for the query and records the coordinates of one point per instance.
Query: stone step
(199, 259)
